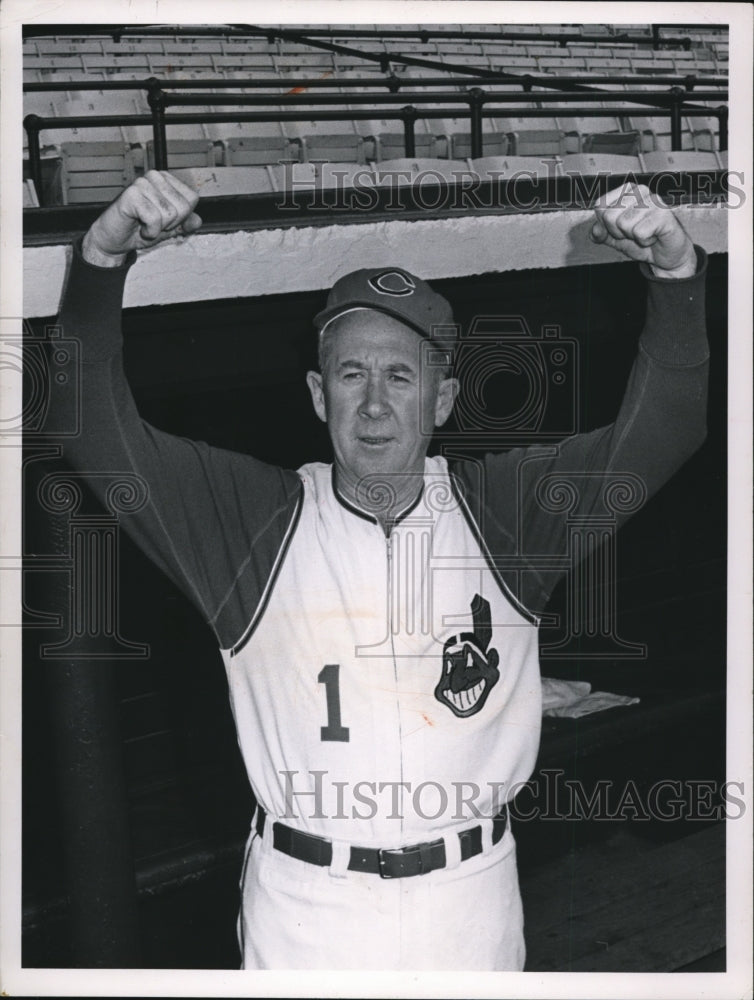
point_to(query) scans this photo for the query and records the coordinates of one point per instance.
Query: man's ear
(314, 381)
(446, 396)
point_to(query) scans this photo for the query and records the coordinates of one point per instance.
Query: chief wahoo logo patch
(469, 668)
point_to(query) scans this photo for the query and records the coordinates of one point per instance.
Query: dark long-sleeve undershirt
(215, 519)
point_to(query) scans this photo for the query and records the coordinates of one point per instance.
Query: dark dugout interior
(232, 373)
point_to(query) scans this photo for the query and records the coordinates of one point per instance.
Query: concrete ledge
(274, 261)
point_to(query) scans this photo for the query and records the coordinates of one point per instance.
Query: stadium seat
(94, 171)
(251, 44)
(134, 46)
(544, 49)
(337, 141)
(171, 65)
(513, 64)
(57, 64)
(318, 176)
(123, 102)
(114, 104)
(52, 47)
(185, 153)
(349, 66)
(686, 160)
(498, 51)
(400, 47)
(387, 138)
(255, 150)
(372, 45)
(590, 164)
(254, 143)
(654, 133)
(614, 143)
(223, 181)
(532, 136)
(603, 65)
(431, 171)
(340, 141)
(113, 62)
(704, 132)
(576, 130)
(457, 136)
(470, 48)
(494, 167)
(196, 45)
(560, 64)
(244, 63)
(304, 65)
(662, 67)
(464, 61)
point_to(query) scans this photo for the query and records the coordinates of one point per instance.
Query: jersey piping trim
(521, 608)
(267, 592)
(391, 523)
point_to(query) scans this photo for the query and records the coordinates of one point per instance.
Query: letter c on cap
(392, 283)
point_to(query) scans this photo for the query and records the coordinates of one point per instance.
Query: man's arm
(214, 518)
(662, 418)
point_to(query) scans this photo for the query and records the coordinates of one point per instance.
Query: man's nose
(374, 404)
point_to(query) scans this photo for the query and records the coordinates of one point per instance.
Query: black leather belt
(400, 862)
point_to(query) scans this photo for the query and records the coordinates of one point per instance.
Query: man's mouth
(374, 440)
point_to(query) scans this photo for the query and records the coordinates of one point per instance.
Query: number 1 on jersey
(333, 731)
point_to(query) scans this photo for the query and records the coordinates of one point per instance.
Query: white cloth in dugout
(403, 706)
(572, 699)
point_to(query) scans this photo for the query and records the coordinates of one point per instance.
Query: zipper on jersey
(392, 611)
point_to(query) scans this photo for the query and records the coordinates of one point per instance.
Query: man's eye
(398, 378)
(352, 376)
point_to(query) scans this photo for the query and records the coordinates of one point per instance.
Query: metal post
(409, 118)
(31, 124)
(677, 96)
(156, 100)
(722, 112)
(476, 103)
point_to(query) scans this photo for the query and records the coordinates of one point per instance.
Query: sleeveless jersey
(387, 686)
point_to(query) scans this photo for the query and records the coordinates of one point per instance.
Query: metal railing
(474, 103)
(653, 35)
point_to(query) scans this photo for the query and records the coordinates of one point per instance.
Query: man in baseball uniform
(381, 657)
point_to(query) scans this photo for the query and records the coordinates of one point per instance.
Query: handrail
(673, 105)
(118, 32)
(687, 80)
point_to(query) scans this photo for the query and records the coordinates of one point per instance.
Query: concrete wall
(273, 261)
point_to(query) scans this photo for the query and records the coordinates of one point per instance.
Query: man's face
(375, 397)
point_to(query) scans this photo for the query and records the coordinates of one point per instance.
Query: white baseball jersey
(402, 705)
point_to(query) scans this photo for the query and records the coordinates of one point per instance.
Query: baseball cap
(398, 293)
